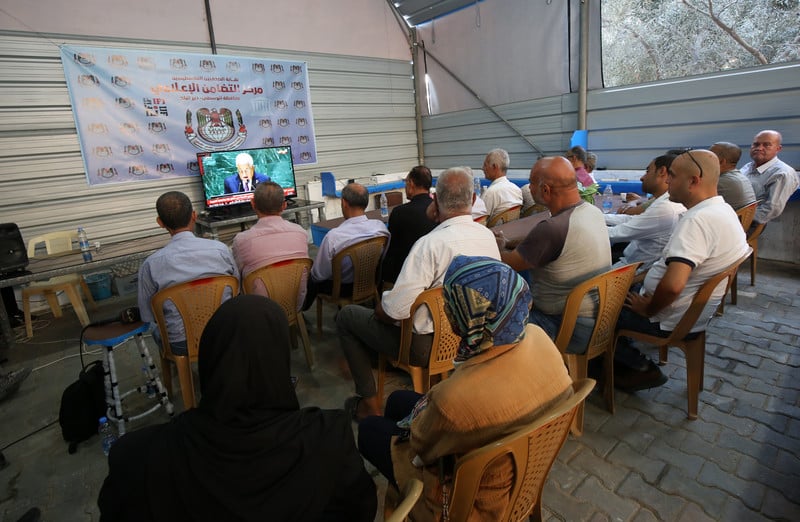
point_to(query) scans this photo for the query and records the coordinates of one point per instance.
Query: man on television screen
(246, 178)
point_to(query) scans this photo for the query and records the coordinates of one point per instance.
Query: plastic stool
(111, 336)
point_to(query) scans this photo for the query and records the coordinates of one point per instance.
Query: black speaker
(13, 255)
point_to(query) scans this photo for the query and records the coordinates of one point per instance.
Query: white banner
(144, 115)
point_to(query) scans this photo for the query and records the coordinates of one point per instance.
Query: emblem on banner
(88, 80)
(299, 104)
(302, 139)
(305, 156)
(268, 142)
(137, 170)
(281, 104)
(215, 129)
(84, 58)
(120, 81)
(117, 60)
(298, 86)
(208, 65)
(283, 122)
(129, 128)
(232, 66)
(177, 64)
(146, 63)
(192, 166)
(132, 150)
(265, 123)
(124, 103)
(301, 122)
(278, 85)
(286, 140)
(102, 151)
(161, 148)
(296, 69)
(259, 68)
(107, 173)
(276, 68)
(165, 168)
(97, 128)
(92, 102)
(156, 127)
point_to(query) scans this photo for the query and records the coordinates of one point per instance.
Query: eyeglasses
(688, 152)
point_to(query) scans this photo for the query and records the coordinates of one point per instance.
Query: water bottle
(83, 240)
(107, 436)
(608, 199)
(150, 388)
(477, 182)
(384, 206)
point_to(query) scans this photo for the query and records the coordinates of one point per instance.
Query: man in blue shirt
(184, 258)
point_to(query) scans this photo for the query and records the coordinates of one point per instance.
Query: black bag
(13, 255)
(82, 404)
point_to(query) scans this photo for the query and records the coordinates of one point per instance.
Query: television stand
(209, 224)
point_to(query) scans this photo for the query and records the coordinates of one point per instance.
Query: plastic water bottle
(86, 249)
(384, 205)
(477, 182)
(107, 435)
(608, 199)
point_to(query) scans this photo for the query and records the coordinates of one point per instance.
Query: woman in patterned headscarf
(507, 373)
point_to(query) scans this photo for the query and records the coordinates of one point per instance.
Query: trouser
(359, 332)
(626, 354)
(375, 433)
(551, 323)
(326, 287)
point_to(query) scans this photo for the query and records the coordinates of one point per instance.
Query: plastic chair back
(366, 259)
(533, 450)
(282, 282)
(196, 301)
(411, 494)
(505, 216)
(611, 289)
(443, 347)
(55, 242)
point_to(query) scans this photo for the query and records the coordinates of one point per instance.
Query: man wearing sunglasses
(773, 180)
(707, 239)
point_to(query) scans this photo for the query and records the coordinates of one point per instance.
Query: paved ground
(739, 461)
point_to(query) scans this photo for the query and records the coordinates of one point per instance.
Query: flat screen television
(222, 184)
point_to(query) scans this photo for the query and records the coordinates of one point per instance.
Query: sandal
(351, 407)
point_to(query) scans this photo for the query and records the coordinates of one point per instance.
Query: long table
(45, 267)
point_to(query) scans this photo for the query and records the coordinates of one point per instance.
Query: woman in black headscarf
(247, 452)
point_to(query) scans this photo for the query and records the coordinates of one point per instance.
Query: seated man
(247, 178)
(733, 186)
(408, 222)
(566, 249)
(773, 180)
(706, 240)
(184, 258)
(272, 239)
(355, 228)
(648, 232)
(501, 195)
(362, 330)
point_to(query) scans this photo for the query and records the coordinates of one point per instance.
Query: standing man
(773, 180)
(562, 251)
(733, 186)
(408, 222)
(647, 233)
(706, 240)
(362, 330)
(501, 195)
(246, 178)
(272, 239)
(184, 258)
(355, 228)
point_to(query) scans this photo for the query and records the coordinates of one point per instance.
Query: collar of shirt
(501, 179)
(767, 165)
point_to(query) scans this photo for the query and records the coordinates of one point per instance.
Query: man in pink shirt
(272, 238)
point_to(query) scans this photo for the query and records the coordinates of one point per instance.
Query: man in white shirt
(647, 233)
(362, 330)
(355, 228)
(501, 195)
(773, 180)
(706, 240)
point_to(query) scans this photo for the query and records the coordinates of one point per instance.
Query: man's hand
(502, 242)
(381, 316)
(638, 303)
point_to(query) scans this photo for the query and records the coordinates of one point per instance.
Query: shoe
(9, 383)
(630, 380)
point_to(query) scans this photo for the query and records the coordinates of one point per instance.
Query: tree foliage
(647, 40)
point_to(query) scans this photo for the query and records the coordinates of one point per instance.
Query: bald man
(706, 240)
(568, 248)
(773, 180)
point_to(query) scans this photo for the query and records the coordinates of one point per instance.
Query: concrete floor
(739, 461)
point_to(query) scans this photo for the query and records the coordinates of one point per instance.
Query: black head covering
(247, 452)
